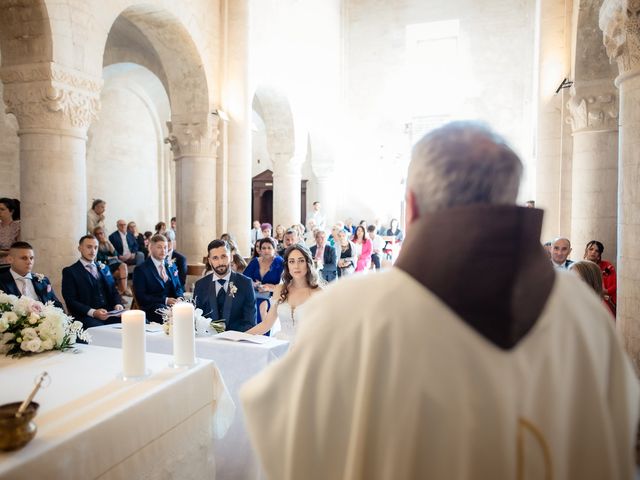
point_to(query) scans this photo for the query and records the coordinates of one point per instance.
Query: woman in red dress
(593, 252)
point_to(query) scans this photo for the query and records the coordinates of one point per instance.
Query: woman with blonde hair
(591, 274)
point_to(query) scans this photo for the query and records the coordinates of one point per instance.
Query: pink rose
(48, 288)
(37, 307)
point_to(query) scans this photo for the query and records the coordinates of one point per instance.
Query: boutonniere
(171, 262)
(38, 276)
(232, 290)
(100, 265)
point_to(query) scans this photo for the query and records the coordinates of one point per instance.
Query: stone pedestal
(287, 177)
(193, 140)
(237, 104)
(594, 119)
(54, 106)
(620, 22)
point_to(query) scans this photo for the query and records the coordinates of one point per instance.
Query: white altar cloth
(92, 424)
(238, 362)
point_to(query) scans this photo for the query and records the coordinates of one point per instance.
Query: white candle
(134, 345)
(184, 338)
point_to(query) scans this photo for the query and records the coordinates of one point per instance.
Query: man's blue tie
(221, 297)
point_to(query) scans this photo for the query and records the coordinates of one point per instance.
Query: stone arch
(274, 108)
(162, 44)
(25, 32)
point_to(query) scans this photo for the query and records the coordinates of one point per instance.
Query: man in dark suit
(126, 245)
(18, 280)
(226, 295)
(324, 255)
(89, 289)
(156, 283)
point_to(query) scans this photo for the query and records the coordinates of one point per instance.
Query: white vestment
(397, 386)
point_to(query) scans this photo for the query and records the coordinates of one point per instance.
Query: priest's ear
(412, 208)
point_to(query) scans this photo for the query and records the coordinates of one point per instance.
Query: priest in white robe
(470, 359)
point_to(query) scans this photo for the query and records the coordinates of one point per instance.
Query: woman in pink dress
(363, 249)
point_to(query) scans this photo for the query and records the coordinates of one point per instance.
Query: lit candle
(134, 346)
(184, 338)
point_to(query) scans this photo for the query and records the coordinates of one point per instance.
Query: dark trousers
(375, 260)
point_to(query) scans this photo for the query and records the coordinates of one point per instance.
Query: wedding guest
(591, 274)
(108, 255)
(324, 256)
(19, 279)
(88, 289)
(299, 284)
(126, 245)
(161, 228)
(560, 251)
(9, 226)
(265, 229)
(265, 271)
(317, 217)
(147, 238)
(256, 232)
(156, 283)
(95, 215)
(173, 228)
(133, 229)
(394, 231)
(349, 227)
(347, 258)
(179, 260)
(279, 236)
(238, 264)
(291, 237)
(377, 244)
(593, 252)
(362, 251)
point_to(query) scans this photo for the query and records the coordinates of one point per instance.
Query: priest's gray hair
(463, 163)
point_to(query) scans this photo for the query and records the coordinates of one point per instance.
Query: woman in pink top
(363, 249)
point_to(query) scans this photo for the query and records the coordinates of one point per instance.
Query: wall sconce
(566, 83)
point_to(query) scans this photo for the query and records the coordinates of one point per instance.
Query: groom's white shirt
(402, 388)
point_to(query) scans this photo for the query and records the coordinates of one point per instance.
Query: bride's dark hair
(311, 277)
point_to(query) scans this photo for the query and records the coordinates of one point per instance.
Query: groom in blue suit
(156, 283)
(226, 295)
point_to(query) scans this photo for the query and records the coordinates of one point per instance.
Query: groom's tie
(221, 297)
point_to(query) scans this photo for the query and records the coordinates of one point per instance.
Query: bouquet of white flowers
(27, 326)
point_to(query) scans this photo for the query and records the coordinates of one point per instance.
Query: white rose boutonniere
(232, 289)
(100, 265)
(171, 262)
(39, 276)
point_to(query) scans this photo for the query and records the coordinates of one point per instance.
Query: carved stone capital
(592, 109)
(193, 135)
(620, 24)
(323, 171)
(50, 96)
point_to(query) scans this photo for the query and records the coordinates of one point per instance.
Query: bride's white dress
(289, 321)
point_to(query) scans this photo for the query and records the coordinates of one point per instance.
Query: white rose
(28, 334)
(34, 345)
(10, 317)
(47, 344)
(4, 324)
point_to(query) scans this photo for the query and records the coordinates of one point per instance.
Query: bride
(299, 282)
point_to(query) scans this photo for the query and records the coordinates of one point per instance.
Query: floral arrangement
(201, 324)
(232, 289)
(28, 326)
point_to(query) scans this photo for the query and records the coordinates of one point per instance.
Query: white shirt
(25, 284)
(402, 388)
(226, 279)
(318, 219)
(255, 235)
(125, 245)
(377, 244)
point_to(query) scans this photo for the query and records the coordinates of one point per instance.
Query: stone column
(287, 177)
(236, 102)
(54, 106)
(594, 119)
(620, 22)
(326, 191)
(194, 141)
(552, 161)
